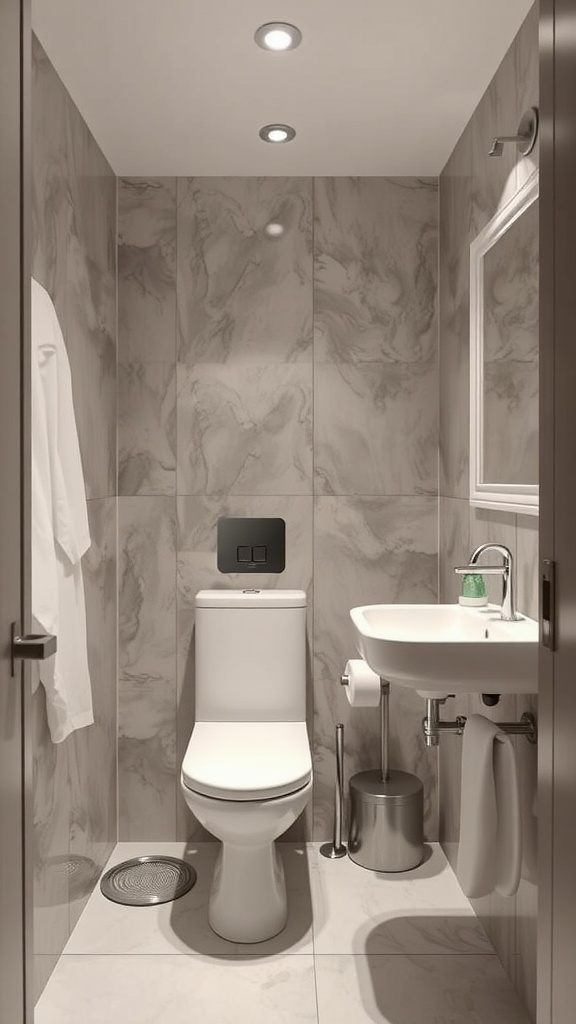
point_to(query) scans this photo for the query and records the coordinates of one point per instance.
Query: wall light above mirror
(504, 357)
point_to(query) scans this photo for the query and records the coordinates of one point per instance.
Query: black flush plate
(251, 545)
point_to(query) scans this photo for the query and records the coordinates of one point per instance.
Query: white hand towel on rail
(60, 533)
(490, 850)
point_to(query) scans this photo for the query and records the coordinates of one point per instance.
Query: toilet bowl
(247, 772)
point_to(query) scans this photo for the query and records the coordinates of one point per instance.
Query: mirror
(504, 357)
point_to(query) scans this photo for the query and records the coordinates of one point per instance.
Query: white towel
(60, 533)
(490, 850)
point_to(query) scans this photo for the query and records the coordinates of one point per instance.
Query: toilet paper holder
(433, 726)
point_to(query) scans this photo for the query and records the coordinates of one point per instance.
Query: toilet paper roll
(363, 689)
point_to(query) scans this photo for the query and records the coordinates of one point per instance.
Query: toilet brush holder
(336, 848)
(386, 810)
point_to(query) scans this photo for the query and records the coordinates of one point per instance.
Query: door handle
(548, 603)
(32, 647)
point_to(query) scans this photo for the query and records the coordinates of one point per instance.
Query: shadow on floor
(192, 927)
(427, 868)
(446, 989)
(437, 932)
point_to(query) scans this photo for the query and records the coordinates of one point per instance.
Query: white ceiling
(176, 87)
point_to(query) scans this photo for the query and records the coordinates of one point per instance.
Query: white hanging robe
(60, 532)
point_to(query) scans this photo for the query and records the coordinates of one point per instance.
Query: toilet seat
(247, 760)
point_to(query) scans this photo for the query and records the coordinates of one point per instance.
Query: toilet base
(248, 900)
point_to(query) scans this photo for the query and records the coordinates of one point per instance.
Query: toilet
(247, 771)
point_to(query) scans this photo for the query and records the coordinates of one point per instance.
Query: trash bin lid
(401, 787)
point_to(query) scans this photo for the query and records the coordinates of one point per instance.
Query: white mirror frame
(505, 497)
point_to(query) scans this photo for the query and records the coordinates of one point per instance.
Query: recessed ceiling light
(278, 35)
(277, 133)
(274, 230)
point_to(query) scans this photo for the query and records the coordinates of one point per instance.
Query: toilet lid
(247, 760)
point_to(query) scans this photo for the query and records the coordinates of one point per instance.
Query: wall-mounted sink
(446, 648)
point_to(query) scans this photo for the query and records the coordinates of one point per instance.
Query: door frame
(557, 675)
(557, 700)
(16, 945)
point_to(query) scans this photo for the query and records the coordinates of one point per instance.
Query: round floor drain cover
(146, 880)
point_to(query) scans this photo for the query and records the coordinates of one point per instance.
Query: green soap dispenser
(473, 590)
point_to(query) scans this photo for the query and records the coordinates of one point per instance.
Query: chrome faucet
(506, 571)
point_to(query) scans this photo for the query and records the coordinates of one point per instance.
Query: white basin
(447, 648)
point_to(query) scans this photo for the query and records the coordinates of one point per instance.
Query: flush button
(246, 544)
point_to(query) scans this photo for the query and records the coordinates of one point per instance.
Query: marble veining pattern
(147, 682)
(146, 428)
(74, 258)
(91, 305)
(375, 243)
(363, 415)
(269, 413)
(244, 295)
(244, 430)
(146, 270)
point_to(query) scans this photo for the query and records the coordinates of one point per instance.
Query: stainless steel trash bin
(386, 821)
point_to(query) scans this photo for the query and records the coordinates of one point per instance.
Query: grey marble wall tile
(147, 686)
(244, 430)
(527, 564)
(454, 320)
(90, 330)
(367, 550)
(244, 296)
(375, 273)
(495, 179)
(74, 246)
(51, 203)
(92, 751)
(454, 546)
(51, 835)
(146, 428)
(527, 74)
(147, 759)
(147, 269)
(197, 570)
(376, 428)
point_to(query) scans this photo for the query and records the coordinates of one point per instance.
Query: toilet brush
(336, 848)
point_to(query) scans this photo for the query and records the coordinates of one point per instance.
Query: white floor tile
(380, 989)
(419, 911)
(182, 926)
(179, 990)
(377, 940)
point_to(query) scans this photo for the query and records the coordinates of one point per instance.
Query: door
(557, 701)
(15, 906)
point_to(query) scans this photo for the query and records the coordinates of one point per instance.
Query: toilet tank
(251, 656)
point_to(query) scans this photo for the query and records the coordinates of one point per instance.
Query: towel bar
(433, 726)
